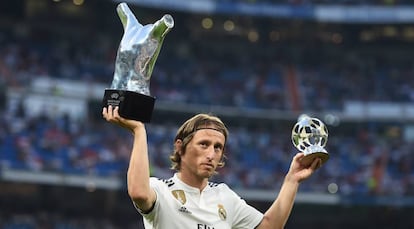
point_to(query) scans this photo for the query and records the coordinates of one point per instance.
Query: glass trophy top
(138, 51)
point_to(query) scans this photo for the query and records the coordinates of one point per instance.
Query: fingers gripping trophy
(310, 135)
(135, 60)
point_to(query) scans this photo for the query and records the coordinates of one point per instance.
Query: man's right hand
(111, 114)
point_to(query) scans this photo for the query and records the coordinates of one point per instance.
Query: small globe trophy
(310, 135)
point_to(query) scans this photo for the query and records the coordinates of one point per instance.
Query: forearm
(138, 172)
(278, 213)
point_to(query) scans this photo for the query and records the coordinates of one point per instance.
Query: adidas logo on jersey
(184, 210)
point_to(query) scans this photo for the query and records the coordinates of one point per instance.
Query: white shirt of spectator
(180, 206)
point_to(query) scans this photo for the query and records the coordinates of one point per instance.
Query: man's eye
(203, 144)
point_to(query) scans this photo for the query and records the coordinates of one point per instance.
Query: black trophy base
(132, 105)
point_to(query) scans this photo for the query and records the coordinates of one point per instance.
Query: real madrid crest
(222, 212)
(179, 195)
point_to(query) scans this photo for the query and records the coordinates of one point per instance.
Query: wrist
(291, 179)
(138, 128)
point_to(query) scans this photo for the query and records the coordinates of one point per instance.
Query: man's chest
(207, 210)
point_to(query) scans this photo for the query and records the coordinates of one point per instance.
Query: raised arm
(138, 172)
(278, 213)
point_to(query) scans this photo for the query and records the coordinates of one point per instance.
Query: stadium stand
(259, 77)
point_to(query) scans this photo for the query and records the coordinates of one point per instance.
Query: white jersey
(180, 206)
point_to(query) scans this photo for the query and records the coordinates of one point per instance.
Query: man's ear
(178, 144)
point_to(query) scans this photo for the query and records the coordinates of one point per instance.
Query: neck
(192, 180)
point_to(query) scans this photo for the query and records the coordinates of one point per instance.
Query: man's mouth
(208, 165)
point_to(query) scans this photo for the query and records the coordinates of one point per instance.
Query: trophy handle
(126, 16)
(159, 30)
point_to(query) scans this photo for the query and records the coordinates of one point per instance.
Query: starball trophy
(136, 56)
(310, 135)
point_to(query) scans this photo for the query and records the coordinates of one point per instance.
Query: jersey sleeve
(245, 216)
(151, 215)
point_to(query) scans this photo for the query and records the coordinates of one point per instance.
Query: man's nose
(210, 153)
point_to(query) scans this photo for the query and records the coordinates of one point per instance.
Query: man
(188, 199)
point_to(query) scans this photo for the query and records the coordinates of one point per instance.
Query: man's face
(203, 153)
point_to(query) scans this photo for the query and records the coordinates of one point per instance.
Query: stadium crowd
(58, 221)
(364, 161)
(368, 158)
(213, 76)
(326, 2)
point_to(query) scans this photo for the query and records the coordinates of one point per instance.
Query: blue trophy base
(132, 105)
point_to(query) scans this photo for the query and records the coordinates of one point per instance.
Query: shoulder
(225, 190)
(160, 181)
(220, 187)
(216, 185)
(169, 182)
